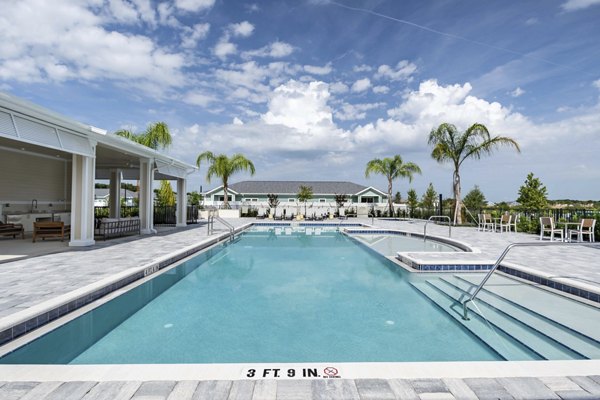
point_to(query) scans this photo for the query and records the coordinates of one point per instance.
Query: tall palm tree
(156, 136)
(223, 167)
(451, 146)
(392, 168)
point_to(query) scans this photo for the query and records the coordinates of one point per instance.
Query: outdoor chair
(504, 223)
(487, 222)
(514, 218)
(586, 227)
(12, 230)
(547, 225)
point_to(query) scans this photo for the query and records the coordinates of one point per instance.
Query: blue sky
(313, 89)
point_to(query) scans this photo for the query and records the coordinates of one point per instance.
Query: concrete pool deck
(29, 282)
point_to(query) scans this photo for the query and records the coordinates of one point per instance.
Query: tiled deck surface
(577, 387)
(31, 281)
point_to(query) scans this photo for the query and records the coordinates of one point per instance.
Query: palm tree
(223, 167)
(392, 168)
(157, 136)
(449, 145)
(305, 193)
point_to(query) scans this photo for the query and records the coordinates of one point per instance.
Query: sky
(314, 89)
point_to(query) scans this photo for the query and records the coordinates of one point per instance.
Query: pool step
(520, 330)
(500, 342)
(582, 344)
(574, 314)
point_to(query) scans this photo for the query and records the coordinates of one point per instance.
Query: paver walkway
(576, 387)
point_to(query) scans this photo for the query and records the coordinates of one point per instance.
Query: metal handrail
(434, 217)
(465, 303)
(212, 216)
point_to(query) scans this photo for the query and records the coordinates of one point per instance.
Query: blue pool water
(266, 297)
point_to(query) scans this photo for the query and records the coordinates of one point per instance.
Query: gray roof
(292, 187)
(101, 192)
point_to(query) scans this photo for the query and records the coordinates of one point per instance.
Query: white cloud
(198, 99)
(316, 70)
(241, 29)
(275, 50)
(237, 121)
(191, 36)
(352, 112)
(62, 40)
(517, 92)
(531, 21)
(338, 88)
(381, 89)
(361, 85)
(362, 68)
(574, 5)
(403, 71)
(596, 84)
(224, 48)
(122, 11)
(165, 15)
(194, 5)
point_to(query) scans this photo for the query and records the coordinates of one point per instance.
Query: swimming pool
(271, 296)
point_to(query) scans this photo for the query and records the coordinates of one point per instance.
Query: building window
(252, 199)
(222, 198)
(322, 200)
(367, 199)
(291, 200)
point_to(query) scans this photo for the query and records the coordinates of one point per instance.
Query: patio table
(566, 229)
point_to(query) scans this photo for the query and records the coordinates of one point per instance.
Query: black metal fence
(163, 215)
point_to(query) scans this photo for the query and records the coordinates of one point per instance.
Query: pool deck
(27, 284)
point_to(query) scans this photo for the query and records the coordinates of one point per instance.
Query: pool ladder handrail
(433, 218)
(508, 248)
(214, 215)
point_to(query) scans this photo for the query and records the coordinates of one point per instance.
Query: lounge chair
(12, 230)
(547, 225)
(586, 227)
(50, 229)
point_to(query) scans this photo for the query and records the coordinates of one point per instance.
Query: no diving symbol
(330, 371)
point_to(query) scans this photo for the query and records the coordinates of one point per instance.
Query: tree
(412, 200)
(451, 146)
(194, 198)
(392, 168)
(397, 198)
(533, 195)
(165, 195)
(305, 193)
(273, 200)
(156, 136)
(475, 200)
(340, 199)
(429, 198)
(224, 167)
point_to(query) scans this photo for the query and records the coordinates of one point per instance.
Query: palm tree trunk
(391, 208)
(225, 197)
(457, 203)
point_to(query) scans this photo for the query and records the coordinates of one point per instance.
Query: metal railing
(214, 215)
(433, 218)
(508, 248)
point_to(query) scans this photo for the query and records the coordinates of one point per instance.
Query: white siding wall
(24, 177)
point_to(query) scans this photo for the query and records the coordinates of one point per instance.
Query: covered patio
(49, 165)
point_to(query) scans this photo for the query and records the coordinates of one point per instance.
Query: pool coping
(241, 371)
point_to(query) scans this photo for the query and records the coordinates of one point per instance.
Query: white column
(145, 196)
(82, 201)
(115, 193)
(181, 203)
